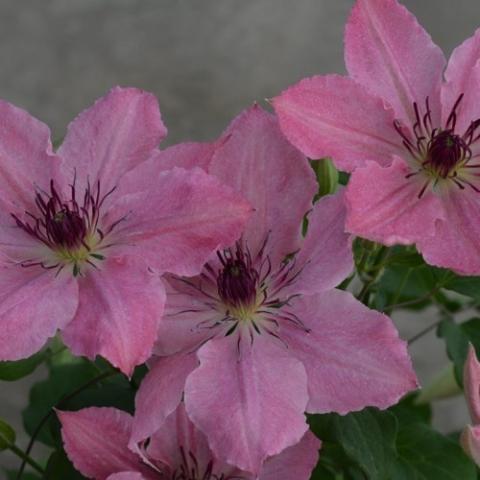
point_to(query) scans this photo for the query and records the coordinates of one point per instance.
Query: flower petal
(387, 51)
(471, 383)
(118, 315)
(332, 116)
(186, 155)
(26, 159)
(34, 303)
(462, 76)
(383, 205)
(326, 256)
(258, 162)
(95, 440)
(111, 137)
(126, 476)
(176, 219)
(352, 354)
(470, 441)
(259, 398)
(456, 244)
(294, 463)
(160, 393)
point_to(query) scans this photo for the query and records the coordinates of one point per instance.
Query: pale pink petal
(294, 463)
(470, 441)
(126, 476)
(352, 354)
(113, 136)
(387, 51)
(34, 303)
(26, 159)
(176, 219)
(120, 307)
(258, 162)
(326, 256)
(462, 76)
(160, 393)
(248, 399)
(96, 439)
(471, 384)
(186, 155)
(456, 244)
(384, 206)
(188, 313)
(332, 116)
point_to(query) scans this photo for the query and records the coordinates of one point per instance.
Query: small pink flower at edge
(261, 335)
(96, 441)
(407, 130)
(86, 232)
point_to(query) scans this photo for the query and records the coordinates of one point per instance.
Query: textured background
(206, 60)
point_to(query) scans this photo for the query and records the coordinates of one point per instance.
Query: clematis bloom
(96, 441)
(83, 228)
(406, 127)
(261, 335)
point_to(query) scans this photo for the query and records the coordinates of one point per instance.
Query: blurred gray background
(206, 60)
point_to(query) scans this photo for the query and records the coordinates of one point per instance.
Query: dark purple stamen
(237, 282)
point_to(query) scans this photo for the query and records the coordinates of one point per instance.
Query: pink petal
(114, 135)
(160, 393)
(248, 399)
(177, 218)
(120, 308)
(471, 383)
(352, 354)
(186, 311)
(186, 155)
(470, 441)
(456, 244)
(326, 255)
(294, 463)
(258, 162)
(463, 77)
(34, 303)
(332, 116)
(383, 205)
(126, 476)
(387, 51)
(26, 159)
(95, 440)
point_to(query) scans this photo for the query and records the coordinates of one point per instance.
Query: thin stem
(377, 269)
(17, 451)
(425, 331)
(59, 404)
(414, 301)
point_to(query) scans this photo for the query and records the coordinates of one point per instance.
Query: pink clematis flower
(96, 441)
(81, 230)
(470, 438)
(261, 335)
(410, 135)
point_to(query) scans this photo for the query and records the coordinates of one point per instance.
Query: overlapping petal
(34, 303)
(336, 117)
(471, 384)
(352, 355)
(470, 441)
(119, 310)
(384, 206)
(176, 218)
(111, 137)
(186, 155)
(388, 51)
(260, 396)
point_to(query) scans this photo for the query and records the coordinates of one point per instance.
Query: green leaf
(366, 437)
(408, 411)
(60, 467)
(469, 286)
(11, 371)
(425, 454)
(7, 435)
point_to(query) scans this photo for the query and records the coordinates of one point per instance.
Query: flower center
(69, 228)
(238, 282)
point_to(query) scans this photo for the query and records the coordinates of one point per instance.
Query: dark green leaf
(469, 286)
(10, 371)
(60, 467)
(7, 435)
(408, 412)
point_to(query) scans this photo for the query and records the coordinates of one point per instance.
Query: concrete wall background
(206, 60)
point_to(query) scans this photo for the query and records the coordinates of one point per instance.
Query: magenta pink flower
(261, 335)
(81, 231)
(410, 137)
(96, 440)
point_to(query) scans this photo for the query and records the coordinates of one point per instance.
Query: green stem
(425, 331)
(58, 405)
(376, 270)
(17, 451)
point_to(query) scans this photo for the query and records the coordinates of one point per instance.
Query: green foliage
(60, 467)
(7, 435)
(11, 371)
